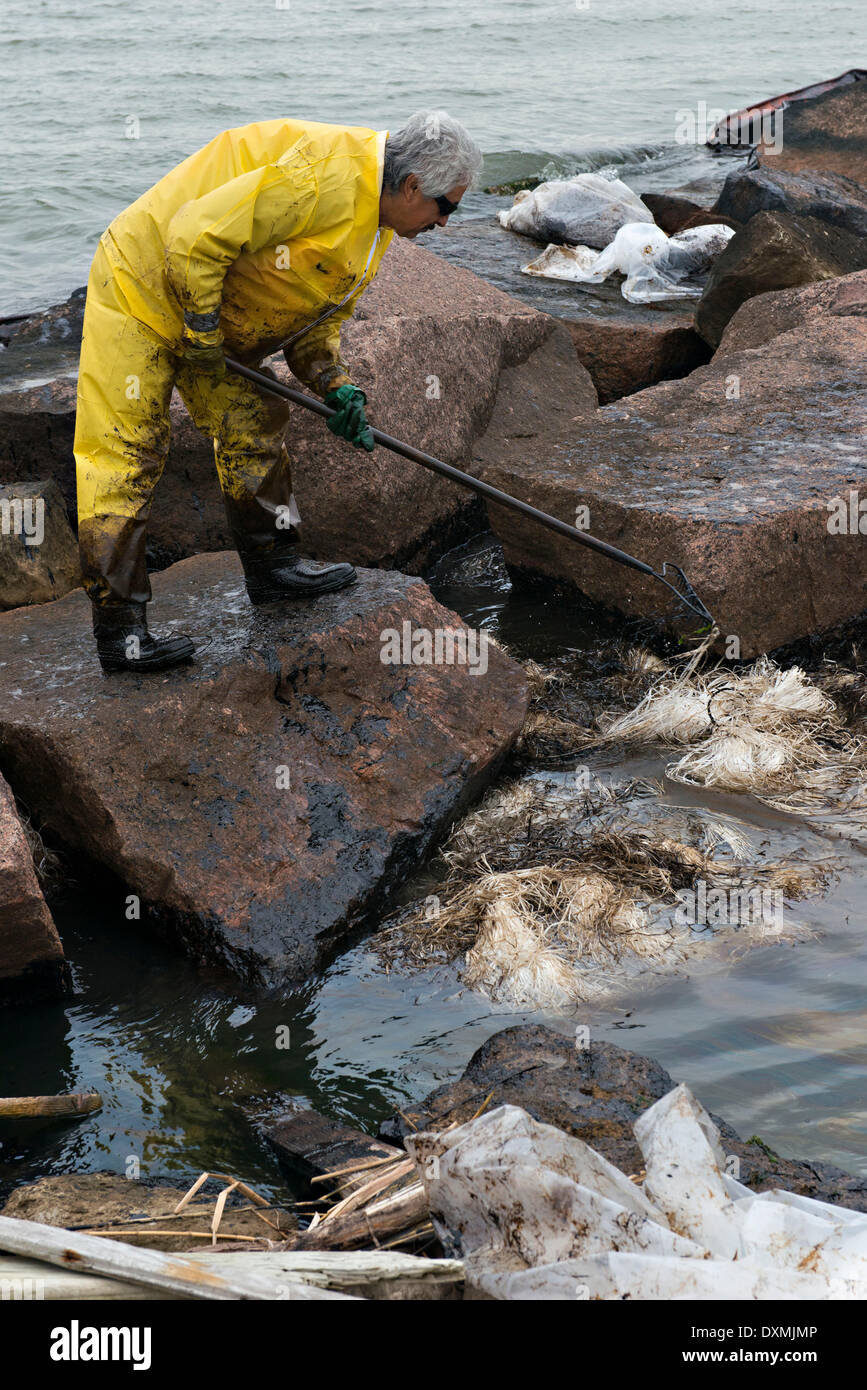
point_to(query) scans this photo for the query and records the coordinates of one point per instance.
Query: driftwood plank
(155, 1269)
(371, 1274)
(84, 1103)
(313, 1146)
(23, 1280)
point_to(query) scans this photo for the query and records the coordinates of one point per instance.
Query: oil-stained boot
(275, 575)
(123, 642)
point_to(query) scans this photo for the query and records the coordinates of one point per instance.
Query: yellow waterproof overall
(263, 239)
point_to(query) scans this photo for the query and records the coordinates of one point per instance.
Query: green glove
(350, 421)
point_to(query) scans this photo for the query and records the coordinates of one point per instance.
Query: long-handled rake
(678, 584)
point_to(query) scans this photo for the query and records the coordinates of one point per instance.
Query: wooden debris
(154, 1269)
(401, 1215)
(233, 1185)
(375, 1275)
(42, 1107)
(317, 1148)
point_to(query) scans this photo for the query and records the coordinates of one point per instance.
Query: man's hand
(204, 356)
(350, 421)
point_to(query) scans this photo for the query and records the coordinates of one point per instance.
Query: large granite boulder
(830, 197)
(828, 131)
(774, 251)
(730, 473)
(596, 1092)
(624, 355)
(38, 552)
(267, 798)
(32, 962)
(427, 344)
(766, 316)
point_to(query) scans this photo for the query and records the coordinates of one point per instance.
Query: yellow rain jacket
(263, 239)
(272, 230)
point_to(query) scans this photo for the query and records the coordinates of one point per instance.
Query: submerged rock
(38, 552)
(597, 1092)
(32, 962)
(267, 798)
(428, 344)
(774, 251)
(731, 473)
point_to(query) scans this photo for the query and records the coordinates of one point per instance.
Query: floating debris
(655, 266)
(543, 894)
(774, 734)
(537, 1213)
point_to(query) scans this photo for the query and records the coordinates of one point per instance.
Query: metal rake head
(683, 591)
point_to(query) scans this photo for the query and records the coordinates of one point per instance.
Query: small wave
(504, 167)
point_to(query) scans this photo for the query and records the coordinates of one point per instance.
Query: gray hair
(437, 149)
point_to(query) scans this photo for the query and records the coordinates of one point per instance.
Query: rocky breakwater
(265, 799)
(428, 345)
(732, 473)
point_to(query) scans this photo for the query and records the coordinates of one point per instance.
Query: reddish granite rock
(625, 356)
(31, 956)
(824, 132)
(428, 343)
(768, 315)
(267, 798)
(774, 251)
(813, 193)
(728, 473)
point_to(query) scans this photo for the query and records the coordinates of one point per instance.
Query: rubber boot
(278, 574)
(123, 642)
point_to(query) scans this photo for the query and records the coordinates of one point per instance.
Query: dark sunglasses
(446, 208)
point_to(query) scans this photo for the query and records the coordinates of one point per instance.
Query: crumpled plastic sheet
(537, 1214)
(656, 266)
(589, 208)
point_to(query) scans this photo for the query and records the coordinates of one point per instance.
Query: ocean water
(102, 98)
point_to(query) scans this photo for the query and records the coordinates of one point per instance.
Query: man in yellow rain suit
(262, 240)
